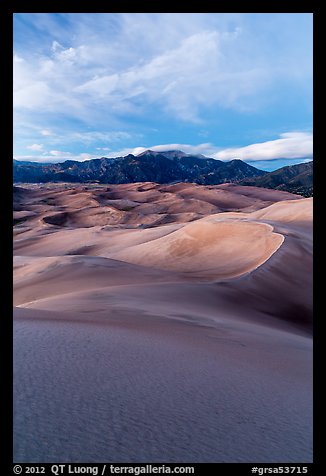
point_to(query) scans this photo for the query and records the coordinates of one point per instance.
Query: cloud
(188, 149)
(102, 136)
(59, 153)
(47, 132)
(85, 156)
(42, 84)
(36, 147)
(56, 156)
(70, 135)
(182, 80)
(181, 64)
(110, 80)
(17, 59)
(201, 149)
(290, 145)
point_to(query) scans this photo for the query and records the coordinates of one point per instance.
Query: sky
(225, 85)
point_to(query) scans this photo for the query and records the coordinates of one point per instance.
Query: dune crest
(224, 249)
(292, 211)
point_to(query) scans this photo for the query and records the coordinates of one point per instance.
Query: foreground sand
(162, 323)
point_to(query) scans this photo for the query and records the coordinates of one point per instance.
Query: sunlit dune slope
(224, 249)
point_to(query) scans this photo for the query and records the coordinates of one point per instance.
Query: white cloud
(102, 136)
(80, 137)
(44, 84)
(32, 95)
(55, 156)
(56, 46)
(290, 145)
(206, 149)
(59, 153)
(65, 55)
(18, 59)
(36, 147)
(47, 132)
(84, 156)
(194, 68)
(188, 149)
(183, 79)
(106, 71)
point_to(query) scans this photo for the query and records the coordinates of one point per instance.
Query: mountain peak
(170, 154)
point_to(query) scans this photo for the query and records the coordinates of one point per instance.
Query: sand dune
(223, 249)
(37, 278)
(175, 322)
(102, 246)
(294, 211)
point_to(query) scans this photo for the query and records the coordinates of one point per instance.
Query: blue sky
(222, 85)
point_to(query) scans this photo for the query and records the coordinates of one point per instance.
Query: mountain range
(149, 166)
(166, 167)
(293, 178)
